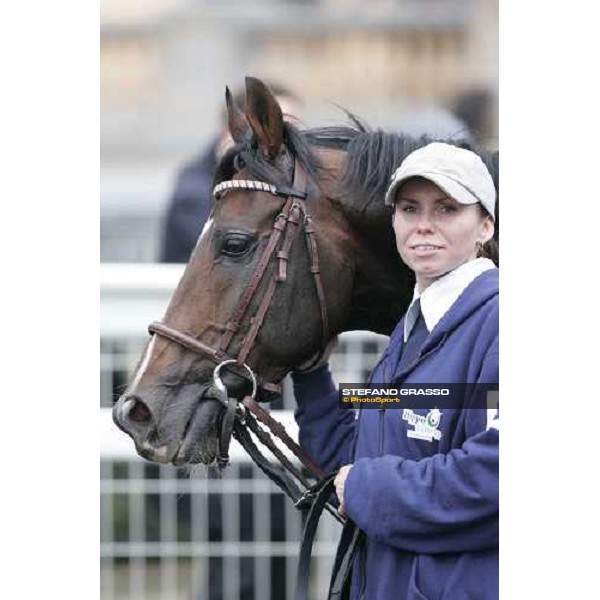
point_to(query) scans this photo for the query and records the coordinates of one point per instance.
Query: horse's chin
(199, 444)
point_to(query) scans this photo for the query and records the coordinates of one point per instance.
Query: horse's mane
(371, 158)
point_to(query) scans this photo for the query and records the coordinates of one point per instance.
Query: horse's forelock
(298, 143)
(225, 167)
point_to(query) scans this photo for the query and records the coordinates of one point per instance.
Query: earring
(479, 246)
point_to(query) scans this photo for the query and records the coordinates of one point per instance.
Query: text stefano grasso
(396, 392)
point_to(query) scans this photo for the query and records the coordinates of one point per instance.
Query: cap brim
(447, 184)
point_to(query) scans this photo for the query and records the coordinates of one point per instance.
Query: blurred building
(165, 64)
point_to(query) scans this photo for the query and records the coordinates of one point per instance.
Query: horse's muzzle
(180, 427)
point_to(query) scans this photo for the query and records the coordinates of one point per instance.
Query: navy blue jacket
(429, 508)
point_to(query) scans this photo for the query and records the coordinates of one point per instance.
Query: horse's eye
(238, 163)
(235, 245)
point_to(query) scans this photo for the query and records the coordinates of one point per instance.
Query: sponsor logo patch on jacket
(425, 427)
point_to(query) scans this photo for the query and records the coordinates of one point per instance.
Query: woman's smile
(425, 249)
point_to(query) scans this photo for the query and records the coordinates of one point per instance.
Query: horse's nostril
(139, 412)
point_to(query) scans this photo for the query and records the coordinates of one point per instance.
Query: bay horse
(298, 249)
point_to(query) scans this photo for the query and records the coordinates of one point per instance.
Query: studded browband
(252, 185)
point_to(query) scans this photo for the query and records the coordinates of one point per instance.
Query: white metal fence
(176, 534)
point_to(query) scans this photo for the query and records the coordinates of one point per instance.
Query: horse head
(268, 285)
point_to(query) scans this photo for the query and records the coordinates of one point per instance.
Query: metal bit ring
(219, 382)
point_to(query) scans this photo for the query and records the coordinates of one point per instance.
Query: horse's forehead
(250, 209)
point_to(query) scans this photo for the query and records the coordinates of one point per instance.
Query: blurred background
(413, 66)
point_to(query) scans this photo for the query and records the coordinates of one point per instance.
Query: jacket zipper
(381, 429)
(419, 359)
(430, 351)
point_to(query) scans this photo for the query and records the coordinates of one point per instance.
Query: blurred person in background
(191, 203)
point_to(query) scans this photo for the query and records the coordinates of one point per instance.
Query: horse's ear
(238, 125)
(264, 115)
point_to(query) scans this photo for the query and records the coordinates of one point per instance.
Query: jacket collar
(482, 289)
(437, 298)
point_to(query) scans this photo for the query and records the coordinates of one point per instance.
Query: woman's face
(435, 233)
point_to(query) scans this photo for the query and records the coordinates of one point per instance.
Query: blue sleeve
(325, 430)
(442, 503)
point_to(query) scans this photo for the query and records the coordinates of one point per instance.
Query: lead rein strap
(323, 490)
(265, 439)
(301, 500)
(316, 499)
(351, 539)
(278, 430)
(277, 476)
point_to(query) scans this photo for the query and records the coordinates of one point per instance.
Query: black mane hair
(371, 159)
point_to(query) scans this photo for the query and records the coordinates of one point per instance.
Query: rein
(313, 501)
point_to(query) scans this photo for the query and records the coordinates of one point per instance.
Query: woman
(423, 483)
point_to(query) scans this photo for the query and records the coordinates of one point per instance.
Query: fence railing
(183, 534)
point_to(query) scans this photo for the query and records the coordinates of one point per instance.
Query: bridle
(292, 216)
(238, 419)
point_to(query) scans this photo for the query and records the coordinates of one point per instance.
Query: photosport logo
(425, 427)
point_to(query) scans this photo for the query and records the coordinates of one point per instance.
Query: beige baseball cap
(459, 172)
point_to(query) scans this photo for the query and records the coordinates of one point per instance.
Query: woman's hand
(340, 482)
